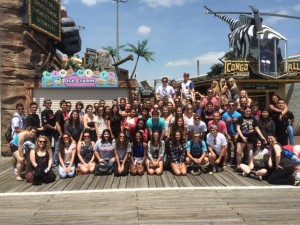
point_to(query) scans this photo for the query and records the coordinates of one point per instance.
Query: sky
(178, 31)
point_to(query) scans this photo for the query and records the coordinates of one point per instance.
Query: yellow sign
(237, 68)
(293, 66)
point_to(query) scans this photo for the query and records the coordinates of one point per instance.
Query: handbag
(103, 168)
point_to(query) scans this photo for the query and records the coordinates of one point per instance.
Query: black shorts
(13, 148)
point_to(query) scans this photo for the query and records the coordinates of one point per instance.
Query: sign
(293, 66)
(237, 68)
(79, 79)
(260, 86)
(44, 16)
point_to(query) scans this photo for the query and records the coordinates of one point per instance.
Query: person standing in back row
(187, 89)
(165, 90)
(48, 120)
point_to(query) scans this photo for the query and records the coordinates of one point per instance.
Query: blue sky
(178, 31)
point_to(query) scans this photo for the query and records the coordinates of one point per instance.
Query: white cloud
(163, 3)
(205, 59)
(274, 19)
(297, 8)
(93, 2)
(144, 30)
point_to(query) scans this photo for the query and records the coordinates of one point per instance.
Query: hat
(213, 127)
(47, 100)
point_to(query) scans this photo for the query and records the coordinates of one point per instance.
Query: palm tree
(112, 51)
(141, 51)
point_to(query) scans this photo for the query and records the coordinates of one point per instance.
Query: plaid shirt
(177, 153)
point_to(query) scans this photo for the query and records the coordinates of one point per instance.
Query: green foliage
(141, 50)
(216, 70)
(70, 64)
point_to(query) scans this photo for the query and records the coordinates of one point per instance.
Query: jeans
(63, 174)
(290, 132)
(55, 153)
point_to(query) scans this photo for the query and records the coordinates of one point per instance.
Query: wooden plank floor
(90, 182)
(177, 206)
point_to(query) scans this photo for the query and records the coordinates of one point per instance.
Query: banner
(237, 68)
(79, 79)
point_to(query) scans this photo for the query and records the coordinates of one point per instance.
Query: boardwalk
(223, 198)
(90, 182)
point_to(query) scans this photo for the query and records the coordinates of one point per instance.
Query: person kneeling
(196, 154)
(66, 155)
(155, 154)
(216, 145)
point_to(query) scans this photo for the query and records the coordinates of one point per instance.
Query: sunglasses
(68, 105)
(49, 103)
(215, 141)
(42, 142)
(209, 92)
(86, 136)
(65, 138)
(164, 81)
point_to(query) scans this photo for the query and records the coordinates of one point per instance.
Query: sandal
(19, 179)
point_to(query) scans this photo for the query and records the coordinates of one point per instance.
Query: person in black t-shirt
(48, 120)
(60, 126)
(33, 119)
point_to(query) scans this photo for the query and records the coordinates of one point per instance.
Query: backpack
(291, 155)
(192, 143)
(8, 133)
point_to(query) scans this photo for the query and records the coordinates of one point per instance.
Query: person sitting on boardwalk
(177, 147)
(155, 155)
(122, 151)
(281, 168)
(216, 146)
(138, 155)
(196, 154)
(66, 156)
(41, 158)
(104, 149)
(85, 153)
(256, 167)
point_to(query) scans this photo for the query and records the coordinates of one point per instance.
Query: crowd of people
(183, 130)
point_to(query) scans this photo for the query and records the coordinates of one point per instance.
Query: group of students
(183, 130)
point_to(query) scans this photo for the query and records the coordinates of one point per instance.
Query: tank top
(42, 161)
(138, 151)
(86, 152)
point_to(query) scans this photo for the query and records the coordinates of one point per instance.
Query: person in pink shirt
(210, 98)
(66, 155)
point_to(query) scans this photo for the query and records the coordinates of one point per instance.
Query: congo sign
(237, 68)
(44, 16)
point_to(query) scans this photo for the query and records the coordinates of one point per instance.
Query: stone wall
(19, 59)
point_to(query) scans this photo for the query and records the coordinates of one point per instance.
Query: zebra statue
(244, 34)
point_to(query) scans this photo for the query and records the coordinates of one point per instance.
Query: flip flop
(19, 179)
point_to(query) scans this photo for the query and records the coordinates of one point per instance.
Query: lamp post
(117, 27)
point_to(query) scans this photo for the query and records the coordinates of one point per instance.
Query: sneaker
(244, 174)
(224, 168)
(213, 170)
(258, 178)
(15, 171)
(297, 183)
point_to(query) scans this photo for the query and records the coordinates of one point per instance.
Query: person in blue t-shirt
(230, 118)
(196, 151)
(156, 123)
